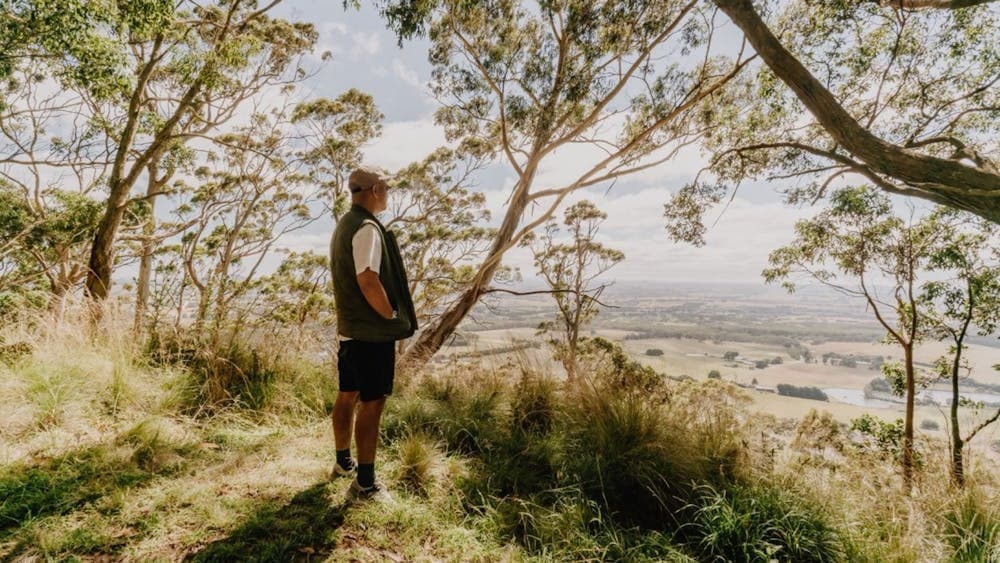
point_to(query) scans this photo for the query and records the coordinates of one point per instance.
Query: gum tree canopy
(903, 93)
(630, 82)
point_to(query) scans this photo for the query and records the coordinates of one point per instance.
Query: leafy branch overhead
(906, 99)
(527, 81)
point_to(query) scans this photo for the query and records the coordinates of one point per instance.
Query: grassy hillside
(109, 452)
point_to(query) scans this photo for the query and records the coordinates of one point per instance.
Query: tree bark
(934, 4)
(943, 181)
(102, 252)
(145, 269)
(957, 444)
(908, 458)
(431, 339)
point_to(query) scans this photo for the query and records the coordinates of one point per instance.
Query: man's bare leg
(343, 421)
(366, 437)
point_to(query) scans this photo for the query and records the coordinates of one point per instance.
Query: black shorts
(368, 367)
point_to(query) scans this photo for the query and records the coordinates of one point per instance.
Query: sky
(365, 55)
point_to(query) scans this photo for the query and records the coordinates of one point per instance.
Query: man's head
(368, 190)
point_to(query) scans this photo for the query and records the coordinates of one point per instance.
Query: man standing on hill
(374, 310)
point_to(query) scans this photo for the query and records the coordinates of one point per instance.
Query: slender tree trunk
(957, 444)
(908, 458)
(102, 252)
(145, 269)
(432, 338)
(57, 306)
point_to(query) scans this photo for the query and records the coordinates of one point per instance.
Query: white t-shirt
(366, 245)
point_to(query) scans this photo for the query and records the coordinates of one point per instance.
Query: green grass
(302, 529)
(972, 529)
(119, 456)
(762, 523)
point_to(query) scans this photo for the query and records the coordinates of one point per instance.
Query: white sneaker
(376, 492)
(341, 471)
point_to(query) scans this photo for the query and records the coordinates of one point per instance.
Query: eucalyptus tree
(51, 160)
(903, 97)
(334, 133)
(45, 250)
(854, 246)
(965, 301)
(630, 81)
(441, 225)
(183, 69)
(570, 268)
(295, 298)
(246, 199)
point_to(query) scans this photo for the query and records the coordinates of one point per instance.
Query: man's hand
(371, 288)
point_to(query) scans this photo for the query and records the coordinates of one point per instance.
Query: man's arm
(371, 288)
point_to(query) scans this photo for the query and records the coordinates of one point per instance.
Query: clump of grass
(251, 376)
(762, 523)
(972, 529)
(158, 446)
(633, 456)
(573, 528)
(418, 459)
(534, 403)
(50, 388)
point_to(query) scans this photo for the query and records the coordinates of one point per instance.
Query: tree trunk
(908, 458)
(432, 338)
(145, 269)
(102, 252)
(957, 463)
(944, 181)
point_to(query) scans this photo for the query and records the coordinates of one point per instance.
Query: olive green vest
(355, 317)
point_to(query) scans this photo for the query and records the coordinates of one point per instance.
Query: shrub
(654, 352)
(928, 424)
(761, 523)
(714, 374)
(805, 392)
(611, 368)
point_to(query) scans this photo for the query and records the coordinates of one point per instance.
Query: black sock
(344, 458)
(366, 475)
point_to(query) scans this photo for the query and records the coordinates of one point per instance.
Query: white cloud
(335, 38)
(365, 43)
(407, 75)
(737, 244)
(303, 242)
(403, 142)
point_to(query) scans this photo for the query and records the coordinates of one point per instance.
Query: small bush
(654, 352)
(805, 392)
(929, 424)
(714, 374)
